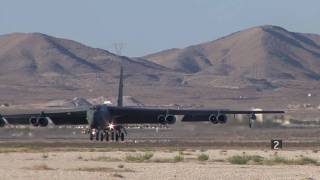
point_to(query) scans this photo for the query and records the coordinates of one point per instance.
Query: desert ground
(164, 163)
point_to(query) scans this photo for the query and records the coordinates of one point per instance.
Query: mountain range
(40, 54)
(259, 53)
(263, 58)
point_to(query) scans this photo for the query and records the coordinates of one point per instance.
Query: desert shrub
(139, 158)
(255, 159)
(244, 159)
(203, 157)
(178, 158)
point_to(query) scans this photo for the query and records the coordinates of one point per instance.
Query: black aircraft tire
(117, 136)
(97, 136)
(112, 136)
(107, 136)
(101, 136)
(122, 136)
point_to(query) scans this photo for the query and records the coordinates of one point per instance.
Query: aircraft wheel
(101, 136)
(107, 136)
(97, 135)
(112, 135)
(122, 136)
(117, 136)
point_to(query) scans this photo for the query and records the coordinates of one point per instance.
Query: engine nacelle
(161, 119)
(170, 119)
(43, 122)
(34, 121)
(213, 119)
(166, 119)
(222, 118)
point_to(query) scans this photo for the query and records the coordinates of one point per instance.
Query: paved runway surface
(190, 136)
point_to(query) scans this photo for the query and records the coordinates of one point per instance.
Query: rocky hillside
(34, 54)
(265, 52)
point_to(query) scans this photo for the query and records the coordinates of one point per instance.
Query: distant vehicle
(106, 121)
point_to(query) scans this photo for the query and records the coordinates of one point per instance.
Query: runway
(209, 137)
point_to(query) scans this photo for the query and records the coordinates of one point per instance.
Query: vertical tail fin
(120, 91)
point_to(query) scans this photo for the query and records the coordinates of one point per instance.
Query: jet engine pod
(222, 118)
(170, 119)
(161, 119)
(34, 121)
(213, 119)
(43, 121)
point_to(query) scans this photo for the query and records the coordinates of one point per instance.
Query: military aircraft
(106, 121)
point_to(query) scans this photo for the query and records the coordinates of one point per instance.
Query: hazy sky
(147, 26)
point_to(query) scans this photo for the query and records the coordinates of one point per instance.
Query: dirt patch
(40, 167)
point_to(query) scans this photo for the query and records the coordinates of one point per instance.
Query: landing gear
(116, 133)
(252, 118)
(91, 136)
(107, 136)
(97, 136)
(112, 135)
(122, 136)
(117, 136)
(101, 135)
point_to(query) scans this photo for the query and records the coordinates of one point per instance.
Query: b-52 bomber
(106, 121)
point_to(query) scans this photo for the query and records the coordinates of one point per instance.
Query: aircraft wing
(61, 117)
(121, 115)
(136, 115)
(129, 110)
